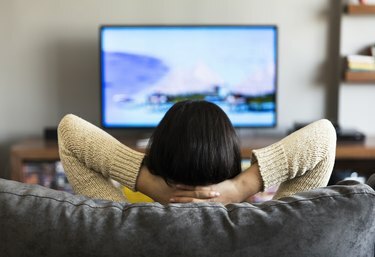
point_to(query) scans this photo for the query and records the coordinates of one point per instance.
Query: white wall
(49, 55)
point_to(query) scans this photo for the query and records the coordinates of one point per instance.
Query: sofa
(332, 221)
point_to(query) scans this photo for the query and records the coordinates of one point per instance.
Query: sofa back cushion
(332, 221)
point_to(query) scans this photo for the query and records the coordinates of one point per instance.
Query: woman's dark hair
(194, 144)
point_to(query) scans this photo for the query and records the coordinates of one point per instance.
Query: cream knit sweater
(299, 162)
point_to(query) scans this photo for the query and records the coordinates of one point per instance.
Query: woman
(194, 156)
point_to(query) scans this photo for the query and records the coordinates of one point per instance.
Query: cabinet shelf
(360, 76)
(361, 9)
(349, 156)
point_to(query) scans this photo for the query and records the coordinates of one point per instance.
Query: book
(47, 174)
(361, 62)
(361, 59)
(362, 66)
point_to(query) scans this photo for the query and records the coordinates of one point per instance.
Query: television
(144, 70)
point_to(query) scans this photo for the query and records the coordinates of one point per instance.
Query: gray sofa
(332, 221)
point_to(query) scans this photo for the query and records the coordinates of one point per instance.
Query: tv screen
(146, 69)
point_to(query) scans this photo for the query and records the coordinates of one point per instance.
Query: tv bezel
(101, 74)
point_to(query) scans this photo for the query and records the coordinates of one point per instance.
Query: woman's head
(194, 144)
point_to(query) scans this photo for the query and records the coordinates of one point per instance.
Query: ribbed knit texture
(301, 161)
(91, 157)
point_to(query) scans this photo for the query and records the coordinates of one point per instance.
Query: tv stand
(353, 156)
(343, 134)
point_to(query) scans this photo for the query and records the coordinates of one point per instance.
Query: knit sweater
(91, 158)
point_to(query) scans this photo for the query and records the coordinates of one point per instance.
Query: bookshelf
(38, 162)
(360, 9)
(360, 76)
(356, 85)
(31, 151)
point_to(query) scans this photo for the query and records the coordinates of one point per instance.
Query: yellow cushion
(136, 197)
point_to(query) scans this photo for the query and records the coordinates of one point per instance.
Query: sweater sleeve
(301, 161)
(90, 157)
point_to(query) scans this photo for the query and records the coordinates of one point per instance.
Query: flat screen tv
(146, 69)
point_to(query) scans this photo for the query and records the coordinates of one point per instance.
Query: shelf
(361, 9)
(360, 76)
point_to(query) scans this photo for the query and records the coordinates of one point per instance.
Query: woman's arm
(299, 162)
(91, 156)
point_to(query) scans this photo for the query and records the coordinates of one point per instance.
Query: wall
(49, 56)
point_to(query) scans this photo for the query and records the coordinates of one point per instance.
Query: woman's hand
(156, 188)
(233, 190)
(224, 192)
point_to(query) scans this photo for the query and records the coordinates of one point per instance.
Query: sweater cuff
(273, 165)
(126, 165)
